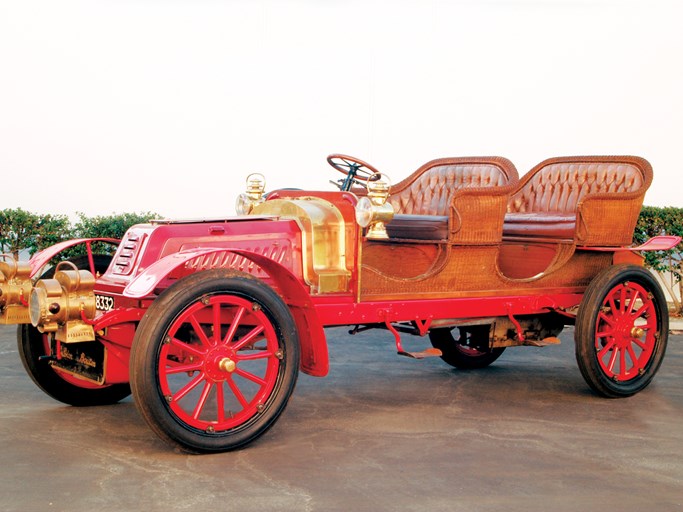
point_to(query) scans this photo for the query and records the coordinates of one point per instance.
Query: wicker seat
(461, 200)
(588, 200)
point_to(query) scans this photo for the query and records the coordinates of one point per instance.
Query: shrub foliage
(22, 230)
(655, 221)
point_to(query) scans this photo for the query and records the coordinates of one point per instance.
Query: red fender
(40, 259)
(314, 355)
(656, 243)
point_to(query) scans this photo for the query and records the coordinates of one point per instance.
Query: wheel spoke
(605, 334)
(187, 347)
(632, 355)
(622, 299)
(641, 344)
(193, 367)
(216, 310)
(256, 355)
(238, 394)
(632, 302)
(606, 348)
(642, 310)
(613, 359)
(200, 332)
(248, 338)
(202, 400)
(250, 376)
(622, 363)
(188, 387)
(612, 304)
(606, 318)
(233, 326)
(220, 402)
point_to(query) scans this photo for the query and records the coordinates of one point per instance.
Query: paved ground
(381, 432)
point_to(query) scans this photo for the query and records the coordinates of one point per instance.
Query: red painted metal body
(151, 257)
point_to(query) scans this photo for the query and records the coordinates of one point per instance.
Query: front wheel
(34, 349)
(622, 328)
(214, 361)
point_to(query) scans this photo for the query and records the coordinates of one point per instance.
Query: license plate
(104, 303)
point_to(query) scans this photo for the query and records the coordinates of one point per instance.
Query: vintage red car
(208, 322)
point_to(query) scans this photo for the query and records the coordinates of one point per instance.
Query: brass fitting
(15, 288)
(65, 305)
(373, 211)
(246, 202)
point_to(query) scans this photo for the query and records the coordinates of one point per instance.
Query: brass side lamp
(373, 211)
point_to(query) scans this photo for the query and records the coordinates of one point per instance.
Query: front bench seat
(458, 199)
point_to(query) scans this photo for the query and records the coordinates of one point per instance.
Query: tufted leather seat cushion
(418, 227)
(555, 226)
(560, 187)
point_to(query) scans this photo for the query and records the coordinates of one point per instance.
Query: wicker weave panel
(472, 271)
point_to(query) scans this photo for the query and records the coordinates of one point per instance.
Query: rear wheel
(34, 346)
(621, 332)
(470, 351)
(214, 361)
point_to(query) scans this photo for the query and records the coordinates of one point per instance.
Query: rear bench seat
(458, 199)
(587, 200)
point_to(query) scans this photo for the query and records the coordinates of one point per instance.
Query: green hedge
(655, 221)
(21, 230)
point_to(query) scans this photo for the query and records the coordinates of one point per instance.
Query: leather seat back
(430, 190)
(560, 187)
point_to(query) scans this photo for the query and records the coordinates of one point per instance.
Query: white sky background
(121, 106)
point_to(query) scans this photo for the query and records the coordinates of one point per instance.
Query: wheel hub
(227, 365)
(220, 364)
(625, 331)
(637, 332)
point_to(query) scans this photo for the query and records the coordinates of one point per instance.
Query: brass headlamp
(15, 288)
(256, 186)
(373, 211)
(65, 305)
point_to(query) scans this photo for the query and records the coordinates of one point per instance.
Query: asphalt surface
(381, 432)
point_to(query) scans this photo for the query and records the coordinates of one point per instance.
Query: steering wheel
(355, 169)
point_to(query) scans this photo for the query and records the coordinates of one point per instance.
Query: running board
(550, 340)
(430, 352)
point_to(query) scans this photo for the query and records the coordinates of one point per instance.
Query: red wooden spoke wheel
(621, 331)
(215, 363)
(34, 346)
(470, 351)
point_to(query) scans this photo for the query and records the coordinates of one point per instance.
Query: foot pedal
(550, 340)
(430, 352)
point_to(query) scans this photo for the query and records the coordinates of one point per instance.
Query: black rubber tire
(147, 346)
(592, 306)
(31, 346)
(456, 353)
